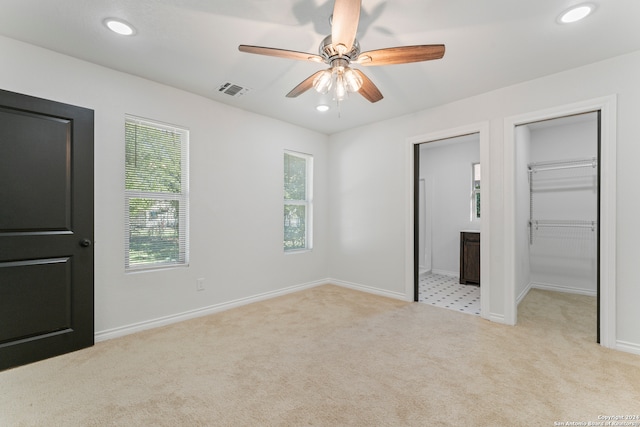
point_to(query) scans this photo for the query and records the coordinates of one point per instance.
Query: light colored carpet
(330, 356)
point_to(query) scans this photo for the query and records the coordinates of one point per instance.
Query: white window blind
(156, 194)
(298, 199)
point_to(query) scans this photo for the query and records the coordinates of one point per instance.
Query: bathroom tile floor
(445, 291)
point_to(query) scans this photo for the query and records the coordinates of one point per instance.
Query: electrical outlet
(200, 284)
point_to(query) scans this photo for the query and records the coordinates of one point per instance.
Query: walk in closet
(557, 205)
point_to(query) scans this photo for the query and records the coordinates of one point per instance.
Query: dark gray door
(46, 229)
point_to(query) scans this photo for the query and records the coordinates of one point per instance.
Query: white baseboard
(628, 347)
(498, 318)
(204, 311)
(524, 293)
(565, 289)
(371, 290)
(445, 272)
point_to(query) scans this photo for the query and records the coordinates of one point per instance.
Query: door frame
(607, 202)
(413, 176)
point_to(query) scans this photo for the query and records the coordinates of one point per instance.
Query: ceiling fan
(340, 49)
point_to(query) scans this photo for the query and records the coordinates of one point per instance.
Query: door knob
(85, 243)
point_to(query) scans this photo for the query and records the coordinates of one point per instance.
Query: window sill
(154, 268)
(297, 251)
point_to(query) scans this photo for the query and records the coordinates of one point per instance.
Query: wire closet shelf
(536, 225)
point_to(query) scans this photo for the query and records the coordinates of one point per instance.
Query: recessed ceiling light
(322, 108)
(576, 13)
(119, 26)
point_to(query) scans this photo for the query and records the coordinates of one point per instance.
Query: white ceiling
(193, 45)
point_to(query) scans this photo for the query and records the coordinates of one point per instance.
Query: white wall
(564, 259)
(235, 191)
(366, 223)
(447, 165)
(370, 200)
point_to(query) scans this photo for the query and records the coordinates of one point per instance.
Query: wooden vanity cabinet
(469, 258)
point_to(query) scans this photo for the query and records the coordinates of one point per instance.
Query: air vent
(233, 89)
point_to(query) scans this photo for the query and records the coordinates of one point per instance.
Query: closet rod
(575, 224)
(571, 164)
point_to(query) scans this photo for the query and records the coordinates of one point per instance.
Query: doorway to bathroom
(448, 215)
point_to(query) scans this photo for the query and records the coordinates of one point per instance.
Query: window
(475, 191)
(156, 194)
(298, 176)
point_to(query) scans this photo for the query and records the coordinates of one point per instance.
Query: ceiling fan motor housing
(329, 52)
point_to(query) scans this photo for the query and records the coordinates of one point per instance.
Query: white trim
(563, 289)
(607, 107)
(629, 347)
(496, 317)
(482, 129)
(409, 279)
(204, 311)
(371, 290)
(524, 293)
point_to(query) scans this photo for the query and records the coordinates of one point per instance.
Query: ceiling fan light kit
(323, 81)
(340, 49)
(341, 78)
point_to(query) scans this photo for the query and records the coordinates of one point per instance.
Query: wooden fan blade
(368, 89)
(304, 86)
(344, 24)
(401, 55)
(280, 53)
